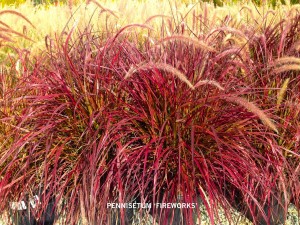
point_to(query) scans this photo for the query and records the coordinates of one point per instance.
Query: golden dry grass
(51, 20)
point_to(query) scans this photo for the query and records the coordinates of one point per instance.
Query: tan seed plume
(211, 82)
(161, 66)
(254, 109)
(186, 39)
(283, 60)
(286, 67)
(285, 64)
(282, 92)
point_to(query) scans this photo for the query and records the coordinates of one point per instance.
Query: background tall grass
(80, 14)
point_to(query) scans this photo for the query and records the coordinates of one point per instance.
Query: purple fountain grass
(166, 111)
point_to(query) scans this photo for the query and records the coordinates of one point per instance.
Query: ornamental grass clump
(276, 56)
(67, 145)
(191, 118)
(195, 142)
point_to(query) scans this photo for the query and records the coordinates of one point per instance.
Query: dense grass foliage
(193, 108)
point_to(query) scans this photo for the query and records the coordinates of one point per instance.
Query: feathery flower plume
(161, 66)
(211, 82)
(195, 42)
(282, 92)
(254, 109)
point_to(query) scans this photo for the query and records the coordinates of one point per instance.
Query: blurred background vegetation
(216, 2)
